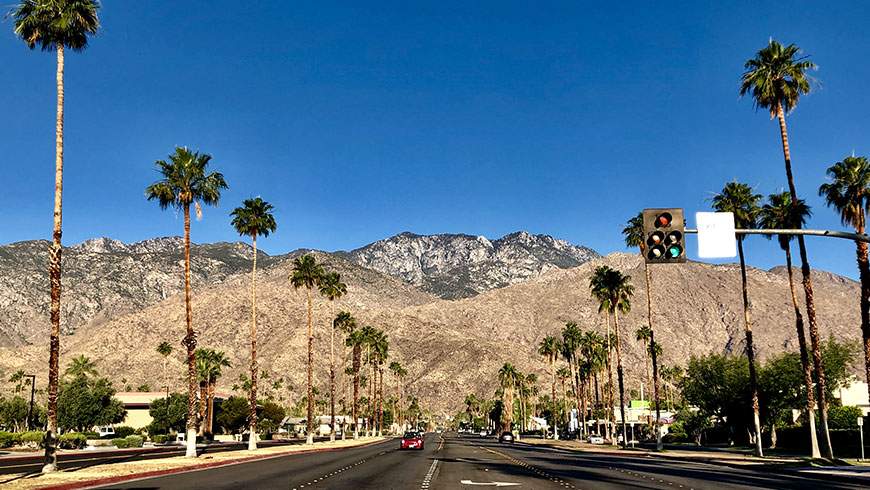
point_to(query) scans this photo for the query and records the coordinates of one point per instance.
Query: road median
(111, 473)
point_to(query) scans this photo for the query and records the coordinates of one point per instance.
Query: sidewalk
(105, 474)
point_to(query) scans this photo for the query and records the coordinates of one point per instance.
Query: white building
(854, 395)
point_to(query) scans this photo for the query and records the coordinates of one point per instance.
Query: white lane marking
(489, 484)
(428, 479)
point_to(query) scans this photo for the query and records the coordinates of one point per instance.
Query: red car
(412, 440)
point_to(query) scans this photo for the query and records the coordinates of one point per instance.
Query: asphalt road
(12, 464)
(467, 463)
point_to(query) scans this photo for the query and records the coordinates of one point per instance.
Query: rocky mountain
(105, 278)
(450, 347)
(459, 266)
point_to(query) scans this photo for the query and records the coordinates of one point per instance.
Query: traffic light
(664, 236)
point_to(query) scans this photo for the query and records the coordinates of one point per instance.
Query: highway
(451, 462)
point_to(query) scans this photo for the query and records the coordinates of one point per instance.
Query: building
(854, 395)
(138, 405)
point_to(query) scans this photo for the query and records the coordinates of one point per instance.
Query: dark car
(506, 437)
(412, 440)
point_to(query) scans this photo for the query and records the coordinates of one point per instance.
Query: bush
(72, 440)
(120, 443)
(123, 431)
(160, 438)
(134, 440)
(91, 434)
(34, 438)
(9, 439)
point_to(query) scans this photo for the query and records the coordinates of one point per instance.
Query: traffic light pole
(825, 233)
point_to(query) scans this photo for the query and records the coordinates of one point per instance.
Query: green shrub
(72, 440)
(9, 439)
(134, 440)
(91, 435)
(160, 438)
(33, 438)
(120, 443)
(123, 431)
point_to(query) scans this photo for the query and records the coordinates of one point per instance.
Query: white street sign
(860, 421)
(716, 238)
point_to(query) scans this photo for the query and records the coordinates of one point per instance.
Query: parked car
(412, 440)
(483, 433)
(106, 431)
(506, 437)
(596, 440)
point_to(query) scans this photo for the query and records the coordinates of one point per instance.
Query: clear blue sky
(475, 117)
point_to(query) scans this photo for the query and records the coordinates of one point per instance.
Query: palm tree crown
(739, 199)
(254, 218)
(633, 232)
(777, 75)
(345, 322)
(164, 348)
(612, 289)
(779, 213)
(307, 273)
(331, 286)
(81, 366)
(185, 181)
(53, 23)
(849, 190)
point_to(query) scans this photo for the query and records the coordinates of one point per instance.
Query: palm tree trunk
(608, 414)
(864, 270)
(211, 390)
(808, 293)
(190, 344)
(652, 353)
(553, 399)
(620, 379)
(356, 367)
(805, 361)
(750, 352)
(381, 403)
(252, 417)
(310, 435)
(332, 382)
(54, 275)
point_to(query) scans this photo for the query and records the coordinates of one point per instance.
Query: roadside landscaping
(118, 472)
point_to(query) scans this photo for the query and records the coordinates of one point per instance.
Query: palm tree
(81, 367)
(549, 349)
(739, 199)
(254, 218)
(642, 334)
(613, 290)
(185, 183)
(55, 25)
(346, 323)
(571, 336)
(563, 373)
(332, 288)
(209, 366)
(308, 274)
(779, 213)
(356, 340)
(380, 349)
(777, 77)
(634, 237)
(849, 194)
(508, 378)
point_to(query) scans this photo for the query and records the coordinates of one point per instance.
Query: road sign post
(861, 435)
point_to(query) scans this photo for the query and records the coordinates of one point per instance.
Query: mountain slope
(458, 266)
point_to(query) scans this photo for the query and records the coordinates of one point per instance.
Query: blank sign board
(716, 238)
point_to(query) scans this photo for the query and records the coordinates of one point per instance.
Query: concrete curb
(87, 484)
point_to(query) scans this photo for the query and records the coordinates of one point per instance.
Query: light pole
(32, 394)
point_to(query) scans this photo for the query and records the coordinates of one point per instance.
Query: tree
(233, 414)
(185, 183)
(168, 414)
(271, 416)
(254, 218)
(56, 25)
(642, 334)
(85, 399)
(739, 199)
(849, 194)
(776, 78)
(165, 349)
(399, 372)
(332, 288)
(508, 378)
(380, 350)
(210, 364)
(346, 323)
(549, 349)
(308, 274)
(613, 290)
(780, 213)
(634, 237)
(571, 336)
(81, 367)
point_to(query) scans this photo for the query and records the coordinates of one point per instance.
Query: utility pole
(32, 395)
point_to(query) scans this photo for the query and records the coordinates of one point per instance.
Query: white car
(596, 440)
(483, 433)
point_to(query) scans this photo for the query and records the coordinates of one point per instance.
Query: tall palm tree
(332, 288)
(165, 349)
(81, 367)
(613, 290)
(508, 378)
(776, 78)
(549, 349)
(185, 183)
(399, 372)
(634, 237)
(642, 334)
(571, 336)
(346, 323)
(209, 365)
(380, 350)
(254, 218)
(56, 25)
(356, 340)
(740, 199)
(369, 335)
(779, 213)
(563, 373)
(308, 274)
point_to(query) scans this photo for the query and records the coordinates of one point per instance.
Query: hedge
(9, 439)
(72, 440)
(134, 440)
(33, 438)
(120, 443)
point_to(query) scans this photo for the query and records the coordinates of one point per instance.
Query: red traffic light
(663, 220)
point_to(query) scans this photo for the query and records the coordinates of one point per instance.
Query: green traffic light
(675, 251)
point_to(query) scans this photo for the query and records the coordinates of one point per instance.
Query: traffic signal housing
(664, 236)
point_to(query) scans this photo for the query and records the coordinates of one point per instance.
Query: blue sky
(475, 117)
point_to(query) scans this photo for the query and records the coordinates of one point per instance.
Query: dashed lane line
(531, 468)
(337, 472)
(427, 480)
